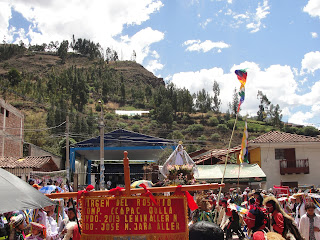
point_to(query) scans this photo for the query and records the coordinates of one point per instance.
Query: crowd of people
(251, 214)
(257, 214)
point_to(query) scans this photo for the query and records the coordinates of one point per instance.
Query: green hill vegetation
(47, 83)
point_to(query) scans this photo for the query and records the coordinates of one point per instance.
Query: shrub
(124, 116)
(136, 117)
(222, 127)
(109, 116)
(122, 125)
(310, 131)
(177, 135)
(195, 128)
(202, 138)
(215, 137)
(14, 77)
(135, 127)
(213, 121)
(98, 107)
(230, 124)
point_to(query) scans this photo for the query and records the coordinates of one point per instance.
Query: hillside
(45, 89)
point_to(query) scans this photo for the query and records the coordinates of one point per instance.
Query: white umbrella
(16, 194)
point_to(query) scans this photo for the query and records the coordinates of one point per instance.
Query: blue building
(142, 149)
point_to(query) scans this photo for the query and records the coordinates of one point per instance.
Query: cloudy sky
(193, 42)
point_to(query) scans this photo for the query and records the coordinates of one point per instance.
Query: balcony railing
(294, 166)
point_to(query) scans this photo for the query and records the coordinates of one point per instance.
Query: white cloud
(311, 62)
(313, 8)
(314, 34)
(261, 12)
(197, 45)
(277, 82)
(5, 15)
(301, 117)
(154, 65)
(99, 21)
(205, 23)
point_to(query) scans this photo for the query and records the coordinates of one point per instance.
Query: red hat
(258, 235)
(89, 187)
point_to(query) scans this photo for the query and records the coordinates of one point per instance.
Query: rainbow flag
(242, 77)
(243, 156)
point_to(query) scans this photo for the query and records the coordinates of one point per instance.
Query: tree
(263, 107)
(108, 55)
(164, 114)
(311, 131)
(134, 55)
(275, 115)
(235, 102)
(115, 56)
(63, 50)
(62, 150)
(123, 92)
(203, 101)
(216, 99)
(14, 77)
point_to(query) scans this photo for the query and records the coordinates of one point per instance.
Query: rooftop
(27, 162)
(282, 137)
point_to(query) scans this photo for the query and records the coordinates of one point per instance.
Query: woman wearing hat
(38, 232)
(17, 224)
(300, 208)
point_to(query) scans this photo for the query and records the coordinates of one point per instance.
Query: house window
(2, 110)
(7, 113)
(279, 154)
(285, 154)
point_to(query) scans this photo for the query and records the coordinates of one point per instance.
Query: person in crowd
(31, 181)
(256, 220)
(4, 227)
(300, 207)
(205, 230)
(310, 223)
(234, 223)
(52, 229)
(38, 231)
(17, 227)
(279, 221)
(204, 212)
(258, 199)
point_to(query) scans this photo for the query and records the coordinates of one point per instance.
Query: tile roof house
(22, 167)
(286, 158)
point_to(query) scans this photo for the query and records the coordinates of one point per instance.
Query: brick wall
(11, 130)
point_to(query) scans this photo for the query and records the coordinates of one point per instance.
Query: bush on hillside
(222, 128)
(230, 124)
(195, 128)
(215, 137)
(202, 138)
(311, 131)
(213, 121)
(135, 127)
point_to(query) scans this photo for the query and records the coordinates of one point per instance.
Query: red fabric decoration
(89, 187)
(76, 233)
(116, 191)
(148, 193)
(191, 203)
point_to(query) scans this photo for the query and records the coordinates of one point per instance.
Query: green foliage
(164, 113)
(215, 137)
(263, 107)
(227, 116)
(233, 106)
(135, 127)
(202, 138)
(177, 135)
(63, 50)
(87, 48)
(230, 124)
(7, 51)
(14, 77)
(216, 97)
(122, 125)
(311, 131)
(203, 101)
(110, 116)
(222, 128)
(213, 121)
(195, 128)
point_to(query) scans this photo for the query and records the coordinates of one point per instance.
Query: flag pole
(225, 164)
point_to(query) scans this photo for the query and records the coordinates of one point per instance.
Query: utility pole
(67, 149)
(101, 148)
